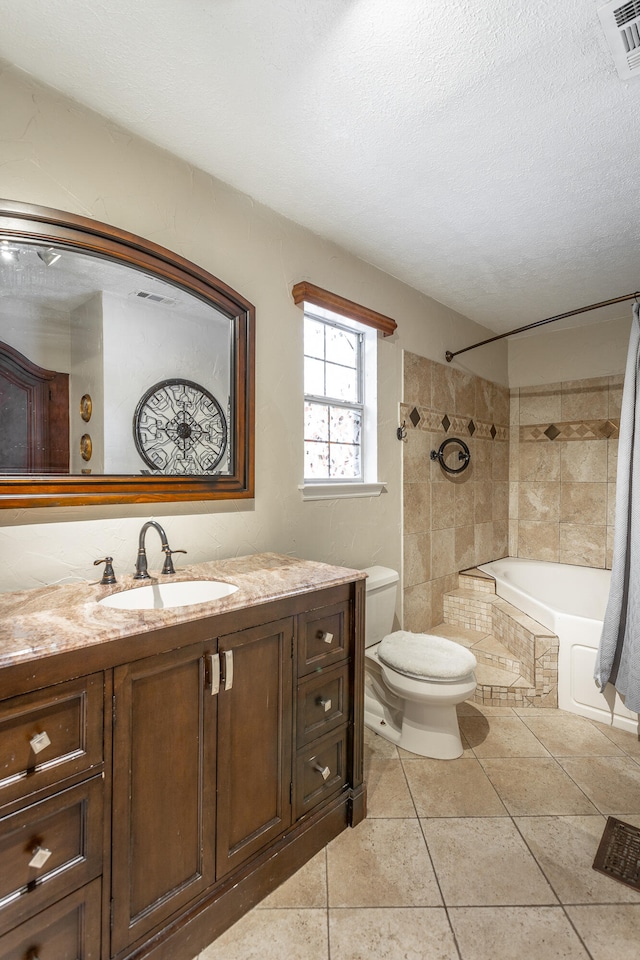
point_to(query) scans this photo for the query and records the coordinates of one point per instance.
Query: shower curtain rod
(539, 323)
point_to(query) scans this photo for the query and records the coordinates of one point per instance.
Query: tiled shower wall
(450, 523)
(563, 450)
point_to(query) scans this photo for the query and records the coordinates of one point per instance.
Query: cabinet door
(164, 790)
(254, 741)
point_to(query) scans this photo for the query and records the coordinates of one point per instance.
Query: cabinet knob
(40, 741)
(324, 772)
(40, 855)
(325, 635)
(325, 702)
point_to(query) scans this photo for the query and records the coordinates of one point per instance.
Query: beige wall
(55, 153)
(563, 451)
(450, 522)
(580, 353)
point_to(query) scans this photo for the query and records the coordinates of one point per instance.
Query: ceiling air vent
(621, 25)
(156, 297)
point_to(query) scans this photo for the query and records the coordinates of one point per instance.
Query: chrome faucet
(141, 560)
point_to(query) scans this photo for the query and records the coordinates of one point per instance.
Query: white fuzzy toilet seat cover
(426, 655)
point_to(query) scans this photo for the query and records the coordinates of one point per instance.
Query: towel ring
(463, 455)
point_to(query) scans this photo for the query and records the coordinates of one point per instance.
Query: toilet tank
(381, 587)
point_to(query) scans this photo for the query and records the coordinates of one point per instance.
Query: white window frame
(368, 484)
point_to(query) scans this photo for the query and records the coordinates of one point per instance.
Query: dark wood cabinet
(164, 748)
(48, 850)
(70, 930)
(202, 770)
(50, 736)
(254, 741)
(189, 773)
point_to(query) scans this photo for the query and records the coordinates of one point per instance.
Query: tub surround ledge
(517, 656)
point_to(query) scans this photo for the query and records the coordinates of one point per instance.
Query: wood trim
(21, 222)
(357, 694)
(307, 292)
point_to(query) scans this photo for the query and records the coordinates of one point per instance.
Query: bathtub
(571, 601)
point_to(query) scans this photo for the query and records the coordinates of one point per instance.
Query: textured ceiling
(485, 153)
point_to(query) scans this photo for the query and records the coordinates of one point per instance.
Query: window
(340, 394)
(333, 401)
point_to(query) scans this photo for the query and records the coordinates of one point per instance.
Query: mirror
(126, 372)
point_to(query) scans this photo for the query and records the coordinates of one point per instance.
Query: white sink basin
(159, 596)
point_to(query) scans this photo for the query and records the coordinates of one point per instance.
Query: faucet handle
(108, 576)
(168, 562)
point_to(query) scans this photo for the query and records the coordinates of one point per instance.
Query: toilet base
(382, 710)
(440, 741)
(428, 728)
(441, 738)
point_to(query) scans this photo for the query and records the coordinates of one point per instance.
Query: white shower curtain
(618, 658)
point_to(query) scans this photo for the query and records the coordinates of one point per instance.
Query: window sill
(340, 491)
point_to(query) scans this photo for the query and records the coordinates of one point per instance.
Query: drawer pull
(324, 772)
(214, 673)
(40, 741)
(325, 702)
(325, 635)
(39, 858)
(228, 669)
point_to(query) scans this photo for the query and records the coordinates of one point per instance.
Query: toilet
(413, 681)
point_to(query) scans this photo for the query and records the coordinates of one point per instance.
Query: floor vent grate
(618, 855)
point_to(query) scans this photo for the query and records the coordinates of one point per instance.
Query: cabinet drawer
(70, 930)
(323, 704)
(320, 770)
(49, 735)
(324, 636)
(49, 849)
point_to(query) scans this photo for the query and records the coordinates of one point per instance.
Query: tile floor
(487, 857)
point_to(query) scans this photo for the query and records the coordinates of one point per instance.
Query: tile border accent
(570, 430)
(433, 421)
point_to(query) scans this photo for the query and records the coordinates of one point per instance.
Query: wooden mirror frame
(21, 222)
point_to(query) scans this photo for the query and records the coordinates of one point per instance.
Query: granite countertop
(60, 618)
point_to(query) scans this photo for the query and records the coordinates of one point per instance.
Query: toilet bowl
(413, 681)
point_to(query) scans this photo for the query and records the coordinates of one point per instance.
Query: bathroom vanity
(163, 770)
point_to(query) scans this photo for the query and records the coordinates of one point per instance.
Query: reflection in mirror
(114, 334)
(126, 371)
